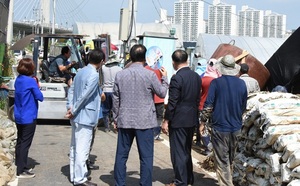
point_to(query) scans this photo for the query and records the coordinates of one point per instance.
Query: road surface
(49, 156)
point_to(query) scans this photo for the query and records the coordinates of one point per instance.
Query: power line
(77, 7)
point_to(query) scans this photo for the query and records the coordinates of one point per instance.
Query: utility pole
(53, 18)
(42, 25)
(9, 37)
(132, 25)
(53, 21)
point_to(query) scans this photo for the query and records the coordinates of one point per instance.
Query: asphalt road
(49, 157)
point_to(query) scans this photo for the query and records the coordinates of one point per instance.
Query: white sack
(285, 173)
(296, 172)
(273, 161)
(294, 159)
(294, 183)
(283, 140)
(289, 149)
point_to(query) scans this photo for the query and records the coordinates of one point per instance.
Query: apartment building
(250, 22)
(274, 24)
(222, 18)
(190, 13)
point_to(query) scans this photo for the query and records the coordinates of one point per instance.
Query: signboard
(159, 52)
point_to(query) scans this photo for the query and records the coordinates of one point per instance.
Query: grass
(2, 104)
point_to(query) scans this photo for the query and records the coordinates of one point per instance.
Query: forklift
(54, 92)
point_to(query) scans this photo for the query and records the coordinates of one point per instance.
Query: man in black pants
(181, 117)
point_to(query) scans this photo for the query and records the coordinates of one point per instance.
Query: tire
(11, 113)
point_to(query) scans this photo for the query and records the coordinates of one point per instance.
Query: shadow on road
(163, 176)
(32, 163)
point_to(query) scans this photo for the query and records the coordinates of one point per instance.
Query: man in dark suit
(181, 117)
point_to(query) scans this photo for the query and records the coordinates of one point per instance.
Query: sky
(103, 11)
(148, 10)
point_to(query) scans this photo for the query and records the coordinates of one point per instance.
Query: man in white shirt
(251, 83)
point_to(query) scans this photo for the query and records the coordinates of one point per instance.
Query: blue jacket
(27, 95)
(227, 95)
(84, 96)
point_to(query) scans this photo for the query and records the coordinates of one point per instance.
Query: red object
(256, 69)
(159, 76)
(113, 47)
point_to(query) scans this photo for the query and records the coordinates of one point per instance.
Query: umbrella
(22, 43)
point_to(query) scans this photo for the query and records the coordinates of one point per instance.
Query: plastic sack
(264, 170)
(250, 118)
(273, 161)
(294, 183)
(264, 153)
(285, 173)
(253, 163)
(259, 121)
(248, 146)
(253, 133)
(260, 143)
(296, 172)
(289, 149)
(274, 132)
(275, 180)
(283, 140)
(294, 159)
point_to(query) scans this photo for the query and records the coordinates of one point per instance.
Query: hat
(244, 68)
(211, 70)
(112, 59)
(279, 88)
(212, 61)
(227, 66)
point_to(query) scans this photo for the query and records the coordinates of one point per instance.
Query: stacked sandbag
(8, 137)
(269, 145)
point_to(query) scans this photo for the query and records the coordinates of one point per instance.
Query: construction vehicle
(54, 92)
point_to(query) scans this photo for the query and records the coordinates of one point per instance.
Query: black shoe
(92, 167)
(88, 183)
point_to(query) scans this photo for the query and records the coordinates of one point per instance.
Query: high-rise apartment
(190, 13)
(274, 24)
(222, 18)
(251, 22)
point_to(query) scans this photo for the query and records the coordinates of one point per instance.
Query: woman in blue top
(27, 95)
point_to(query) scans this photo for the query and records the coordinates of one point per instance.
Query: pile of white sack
(269, 145)
(8, 138)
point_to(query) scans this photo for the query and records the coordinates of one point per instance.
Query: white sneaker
(158, 138)
(26, 175)
(28, 169)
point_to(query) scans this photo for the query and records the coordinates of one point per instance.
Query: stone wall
(8, 139)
